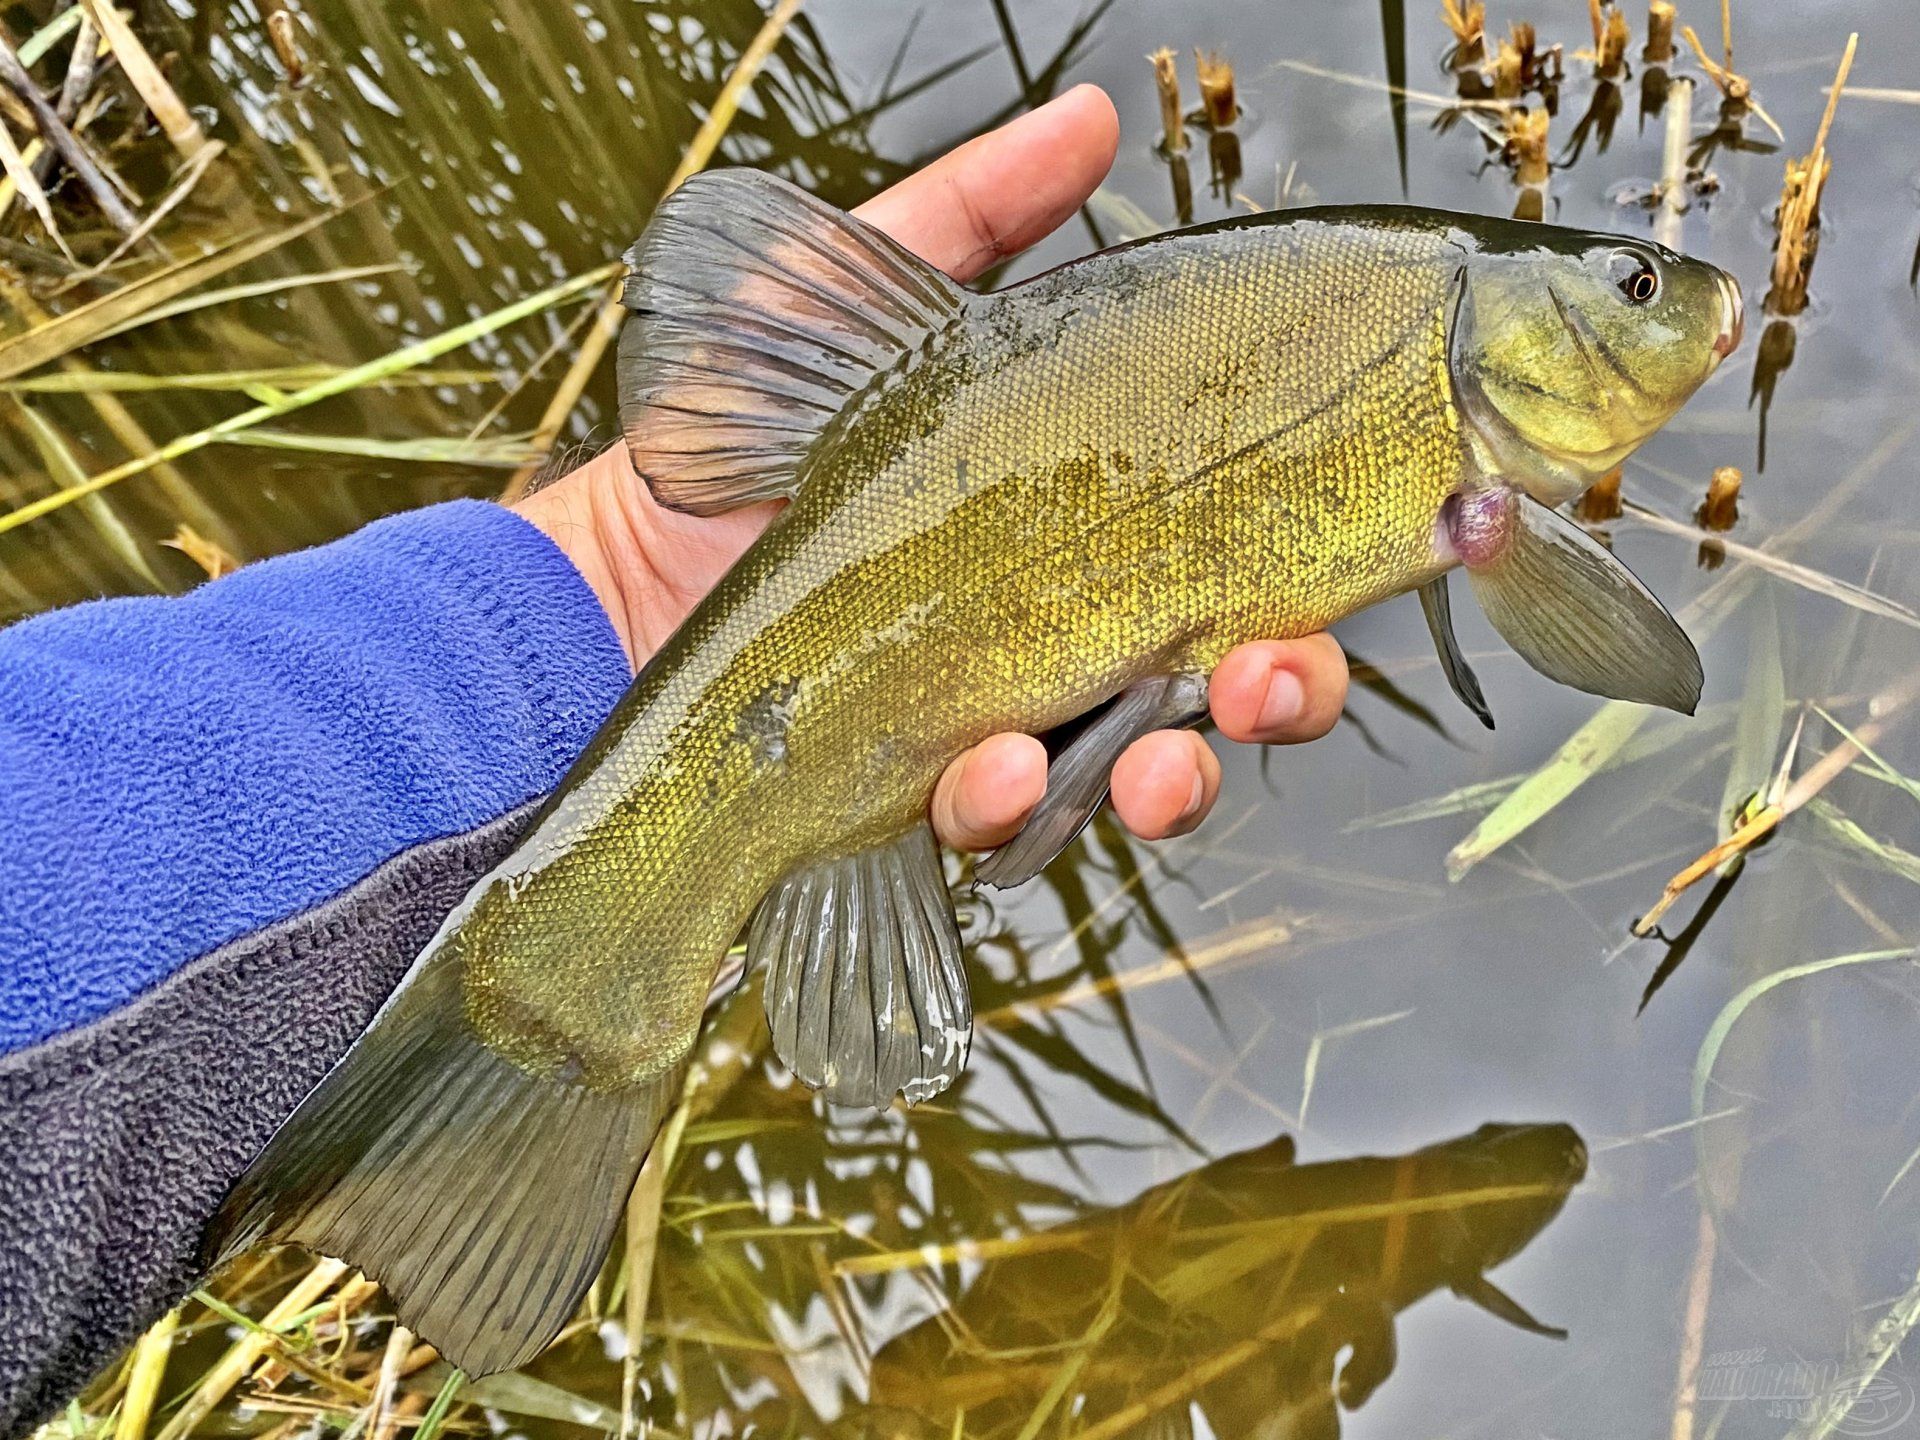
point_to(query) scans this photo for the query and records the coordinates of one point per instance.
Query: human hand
(989, 199)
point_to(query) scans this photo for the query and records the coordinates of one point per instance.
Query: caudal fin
(482, 1197)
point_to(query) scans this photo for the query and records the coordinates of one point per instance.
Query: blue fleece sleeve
(179, 773)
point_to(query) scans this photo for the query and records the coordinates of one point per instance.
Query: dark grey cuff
(120, 1139)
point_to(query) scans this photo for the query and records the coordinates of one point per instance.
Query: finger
(999, 193)
(1279, 692)
(1165, 783)
(986, 794)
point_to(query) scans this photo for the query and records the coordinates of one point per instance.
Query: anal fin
(482, 1197)
(1079, 776)
(865, 993)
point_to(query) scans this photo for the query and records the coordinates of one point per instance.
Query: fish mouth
(1733, 317)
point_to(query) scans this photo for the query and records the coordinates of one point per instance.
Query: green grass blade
(35, 47)
(521, 1394)
(1572, 765)
(1845, 830)
(1322, 1038)
(1121, 212)
(65, 470)
(1887, 772)
(65, 333)
(94, 382)
(436, 1415)
(227, 294)
(372, 372)
(1731, 1012)
(1883, 1342)
(1756, 730)
(507, 451)
(1483, 795)
(1805, 576)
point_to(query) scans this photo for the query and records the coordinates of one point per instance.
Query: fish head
(1536, 1166)
(1569, 349)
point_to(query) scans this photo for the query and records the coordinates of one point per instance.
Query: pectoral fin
(1453, 662)
(1078, 777)
(758, 311)
(865, 993)
(1373, 1350)
(482, 1197)
(1496, 1302)
(1571, 610)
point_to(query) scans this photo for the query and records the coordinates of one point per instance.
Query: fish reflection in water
(1235, 1289)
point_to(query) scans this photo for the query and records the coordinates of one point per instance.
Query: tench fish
(1301, 1269)
(1006, 511)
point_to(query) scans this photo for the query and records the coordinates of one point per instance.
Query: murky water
(1233, 1157)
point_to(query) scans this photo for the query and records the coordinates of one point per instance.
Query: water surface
(1223, 1163)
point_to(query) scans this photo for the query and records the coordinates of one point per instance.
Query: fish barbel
(1007, 511)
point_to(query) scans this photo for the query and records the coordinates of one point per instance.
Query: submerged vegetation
(372, 249)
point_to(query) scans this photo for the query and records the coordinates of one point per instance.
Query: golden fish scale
(1123, 468)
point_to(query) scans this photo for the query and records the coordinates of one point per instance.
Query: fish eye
(1634, 275)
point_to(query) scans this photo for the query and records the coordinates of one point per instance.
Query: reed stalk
(1217, 99)
(1659, 46)
(145, 76)
(1797, 221)
(1721, 509)
(150, 1355)
(1166, 81)
(61, 139)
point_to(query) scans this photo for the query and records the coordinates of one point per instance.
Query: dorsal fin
(757, 312)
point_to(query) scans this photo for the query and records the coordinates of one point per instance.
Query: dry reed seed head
(1613, 54)
(282, 31)
(205, 553)
(1527, 144)
(1166, 79)
(1660, 18)
(1602, 500)
(1722, 505)
(1467, 21)
(1737, 88)
(1610, 36)
(1797, 225)
(1526, 41)
(1218, 102)
(1508, 73)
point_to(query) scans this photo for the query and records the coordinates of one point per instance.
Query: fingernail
(1198, 796)
(1285, 700)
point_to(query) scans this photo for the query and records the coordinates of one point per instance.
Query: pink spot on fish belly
(1480, 524)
